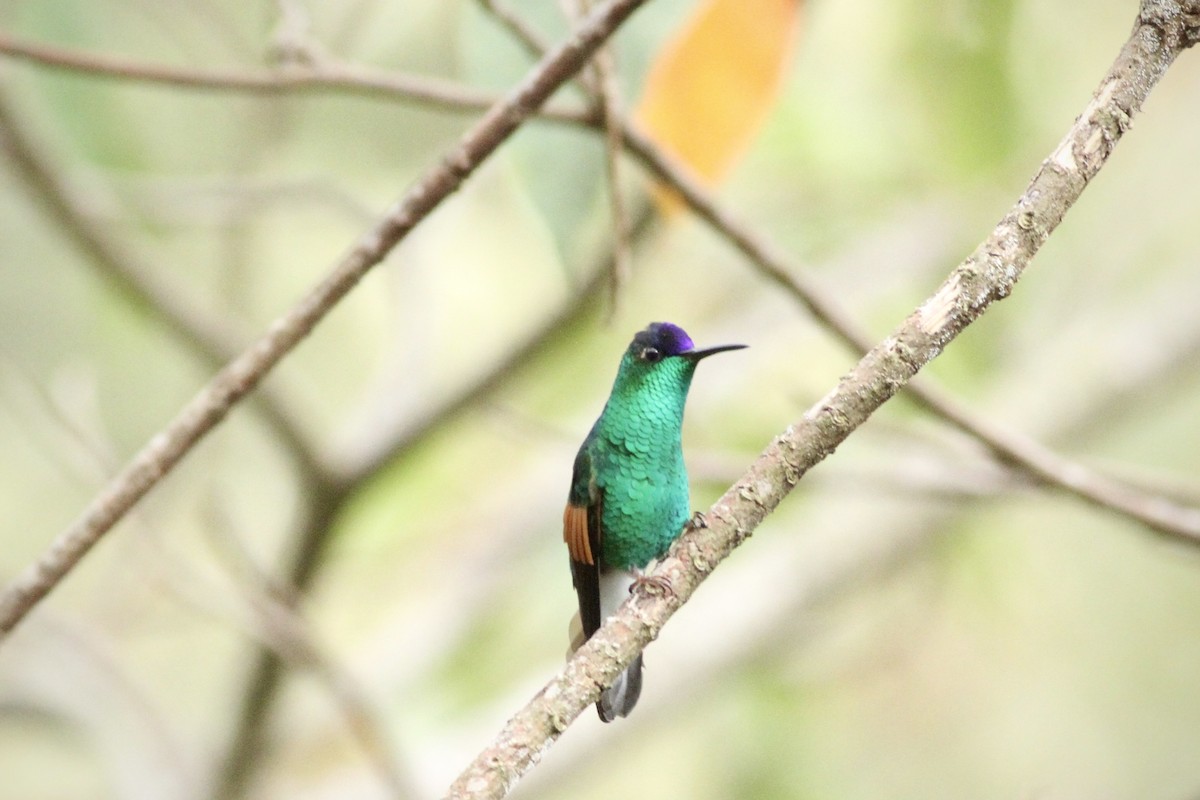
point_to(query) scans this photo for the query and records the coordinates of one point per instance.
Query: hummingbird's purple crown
(667, 338)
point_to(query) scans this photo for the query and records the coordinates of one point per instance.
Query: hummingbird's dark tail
(619, 700)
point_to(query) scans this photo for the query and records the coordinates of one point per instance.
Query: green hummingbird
(629, 488)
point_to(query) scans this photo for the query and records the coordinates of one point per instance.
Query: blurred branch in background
(986, 276)
(146, 751)
(323, 76)
(524, 33)
(213, 337)
(242, 375)
(271, 618)
(291, 641)
(601, 78)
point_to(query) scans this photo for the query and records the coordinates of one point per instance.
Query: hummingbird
(629, 487)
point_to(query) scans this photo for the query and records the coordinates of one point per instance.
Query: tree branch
(1157, 513)
(1163, 30)
(1012, 447)
(243, 374)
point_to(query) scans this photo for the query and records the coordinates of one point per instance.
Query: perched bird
(629, 489)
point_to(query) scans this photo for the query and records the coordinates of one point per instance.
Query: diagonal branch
(1156, 513)
(243, 374)
(1046, 466)
(987, 275)
(1025, 452)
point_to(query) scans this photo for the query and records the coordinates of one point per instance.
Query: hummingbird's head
(663, 340)
(656, 372)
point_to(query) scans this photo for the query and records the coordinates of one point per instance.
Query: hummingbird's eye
(651, 355)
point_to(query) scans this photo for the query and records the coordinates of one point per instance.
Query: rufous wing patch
(575, 534)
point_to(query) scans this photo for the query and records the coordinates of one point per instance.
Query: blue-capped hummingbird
(629, 489)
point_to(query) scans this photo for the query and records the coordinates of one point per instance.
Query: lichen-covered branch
(243, 374)
(1163, 30)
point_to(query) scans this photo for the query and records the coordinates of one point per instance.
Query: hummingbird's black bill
(696, 355)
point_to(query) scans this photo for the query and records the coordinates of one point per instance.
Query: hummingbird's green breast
(638, 464)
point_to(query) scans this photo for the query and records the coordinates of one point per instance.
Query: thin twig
(986, 276)
(608, 91)
(530, 39)
(601, 82)
(325, 76)
(243, 374)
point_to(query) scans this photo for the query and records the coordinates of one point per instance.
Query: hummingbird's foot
(697, 522)
(654, 585)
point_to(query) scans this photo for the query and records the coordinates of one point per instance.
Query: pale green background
(910, 624)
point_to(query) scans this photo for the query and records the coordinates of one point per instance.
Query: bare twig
(610, 108)
(244, 373)
(524, 33)
(987, 275)
(601, 79)
(325, 76)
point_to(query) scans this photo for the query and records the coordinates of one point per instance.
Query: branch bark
(243, 374)
(1162, 31)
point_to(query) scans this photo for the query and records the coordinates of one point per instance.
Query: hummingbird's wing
(582, 532)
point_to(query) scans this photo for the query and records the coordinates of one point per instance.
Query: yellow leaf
(714, 82)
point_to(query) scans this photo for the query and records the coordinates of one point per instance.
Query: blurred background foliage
(916, 621)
